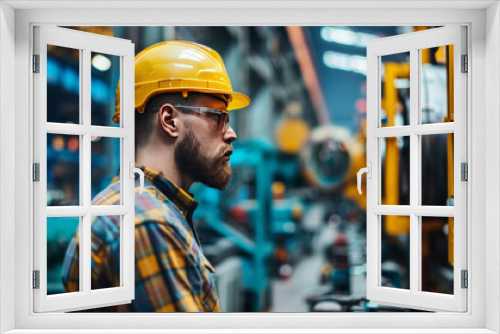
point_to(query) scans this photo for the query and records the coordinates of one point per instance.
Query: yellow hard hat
(179, 66)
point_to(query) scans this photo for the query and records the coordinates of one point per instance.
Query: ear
(168, 120)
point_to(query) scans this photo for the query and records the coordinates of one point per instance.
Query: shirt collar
(183, 200)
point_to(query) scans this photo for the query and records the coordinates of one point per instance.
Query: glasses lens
(222, 121)
(222, 118)
(226, 122)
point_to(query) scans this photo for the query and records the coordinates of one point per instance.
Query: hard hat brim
(238, 100)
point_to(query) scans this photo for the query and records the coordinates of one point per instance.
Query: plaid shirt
(171, 271)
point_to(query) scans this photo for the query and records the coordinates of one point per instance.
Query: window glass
(105, 164)
(395, 89)
(60, 232)
(395, 252)
(63, 170)
(437, 169)
(63, 85)
(105, 76)
(106, 251)
(395, 170)
(437, 254)
(436, 85)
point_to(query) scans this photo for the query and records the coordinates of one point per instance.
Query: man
(182, 132)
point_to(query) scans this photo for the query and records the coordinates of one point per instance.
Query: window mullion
(108, 210)
(414, 171)
(81, 231)
(66, 211)
(67, 129)
(85, 242)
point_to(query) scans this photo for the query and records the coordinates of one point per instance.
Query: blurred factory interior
(289, 233)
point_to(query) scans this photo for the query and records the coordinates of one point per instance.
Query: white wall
(7, 167)
(492, 150)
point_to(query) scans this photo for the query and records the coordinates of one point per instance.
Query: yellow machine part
(395, 225)
(291, 135)
(278, 190)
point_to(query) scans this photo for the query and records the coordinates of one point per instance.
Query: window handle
(139, 171)
(368, 171)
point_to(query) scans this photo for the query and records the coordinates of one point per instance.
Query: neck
(161, 159)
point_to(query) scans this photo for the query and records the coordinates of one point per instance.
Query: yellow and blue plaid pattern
(171, 271)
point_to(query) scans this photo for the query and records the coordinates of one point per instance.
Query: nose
(230, 135)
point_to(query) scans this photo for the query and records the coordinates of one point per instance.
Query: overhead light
(101, 63)
(345, 62)
(346, 36)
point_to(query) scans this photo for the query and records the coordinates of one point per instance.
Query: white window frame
(413, 43)
(483, 21)
(86, 43)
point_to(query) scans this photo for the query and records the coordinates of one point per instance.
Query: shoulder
(109, 196)
(152, 209)
(152, 204)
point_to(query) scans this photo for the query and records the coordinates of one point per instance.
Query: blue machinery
(259, 158)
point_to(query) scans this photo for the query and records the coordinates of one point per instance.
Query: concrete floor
(289, 295)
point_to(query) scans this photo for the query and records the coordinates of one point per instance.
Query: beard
(213, 172)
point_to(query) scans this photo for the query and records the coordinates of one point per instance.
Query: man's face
(203, 151)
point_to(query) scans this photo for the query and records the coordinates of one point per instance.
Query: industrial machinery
(263, 218)
(227, 215)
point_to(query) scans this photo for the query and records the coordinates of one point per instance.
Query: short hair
(144, 122)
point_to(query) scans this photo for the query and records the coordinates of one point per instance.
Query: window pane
(63, 170)
(105, 164)
(63, 85)
(106, 251)
(395, 90)
(436, 85)
(395, 171)
(105, 76)
(437, 254)
(437, 169)
(60, 232)
(395, 252)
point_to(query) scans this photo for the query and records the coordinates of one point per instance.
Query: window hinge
(36, 279)
(465, 64)
(465, 279)
(36, 63)
(36, 172)
(465, 171)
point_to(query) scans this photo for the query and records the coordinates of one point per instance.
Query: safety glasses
(221, 116)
